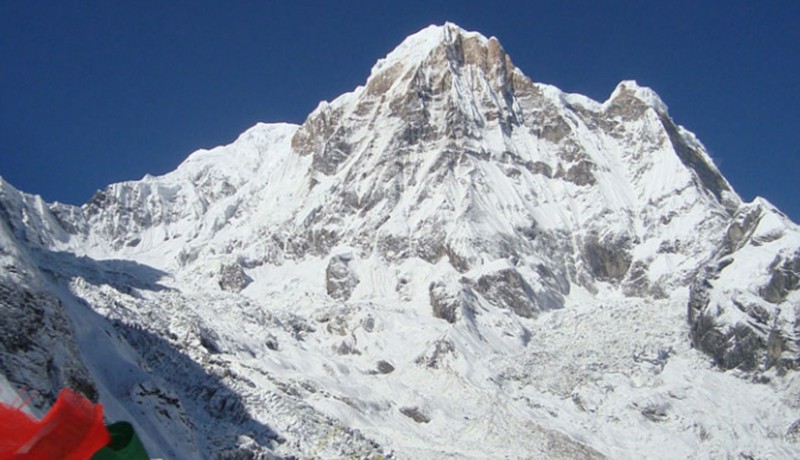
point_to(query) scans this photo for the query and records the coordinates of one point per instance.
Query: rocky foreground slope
(451, 261)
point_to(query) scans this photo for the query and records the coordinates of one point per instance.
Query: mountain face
(449, 261)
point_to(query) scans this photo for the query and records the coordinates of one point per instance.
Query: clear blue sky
(96, 92)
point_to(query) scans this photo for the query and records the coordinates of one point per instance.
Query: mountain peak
(450, 222)
(442, 78)
(447, 47)
(632, 89)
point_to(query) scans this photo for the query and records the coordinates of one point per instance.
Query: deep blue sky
(98, 92)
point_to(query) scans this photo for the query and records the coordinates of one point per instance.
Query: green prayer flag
(124, 445)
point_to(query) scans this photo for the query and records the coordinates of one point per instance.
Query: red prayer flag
(73, 429)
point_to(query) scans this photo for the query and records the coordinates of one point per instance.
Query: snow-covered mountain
(451, 261)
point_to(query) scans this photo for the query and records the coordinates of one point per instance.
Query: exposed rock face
(506, 288)
(744, 313)
(37, 346)
(731, 347)
(784, 278)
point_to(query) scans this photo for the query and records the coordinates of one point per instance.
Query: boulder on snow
(415, 414)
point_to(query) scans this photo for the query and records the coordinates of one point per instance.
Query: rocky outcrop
(784, 278)
(736, 347)
(340, 279)
(749, 322)
(608, 258)
(450, 300)
(233, 278)
(506, 288)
